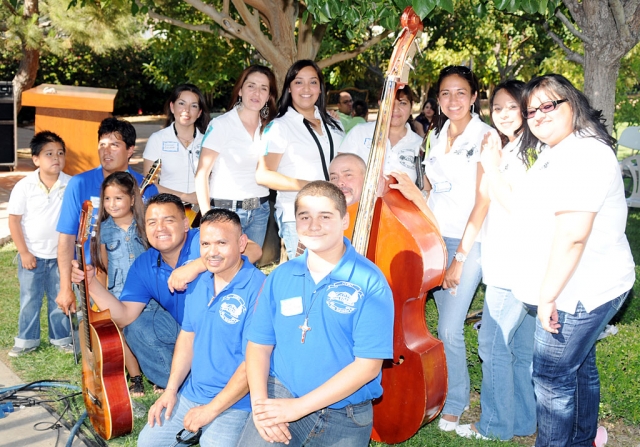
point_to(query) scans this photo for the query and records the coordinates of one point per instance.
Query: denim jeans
(34, 284)
(152, 337)
(345, 427)
(254, 222)
(290, 236)
(224, 431)
(452, 311)
(566, 378)
(505, 345)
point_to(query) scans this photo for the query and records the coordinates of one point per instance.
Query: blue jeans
(152, 338)
(566, 378)
(34, 284)
(254, 222)
(289, 234)
(345, 427)
(505, 345)
(224, 431)
(452, 311)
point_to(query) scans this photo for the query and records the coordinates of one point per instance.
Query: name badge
(442, 186)
(291, 306)
(169, 146)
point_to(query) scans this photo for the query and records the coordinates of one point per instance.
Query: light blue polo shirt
(220, 324)
(350, 313)
(87, 186)
(149, 274)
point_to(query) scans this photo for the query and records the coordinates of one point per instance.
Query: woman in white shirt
(459, 199)
(505, 340)
(178, 144)
(226, 176)
(571, 258)
(299, 144)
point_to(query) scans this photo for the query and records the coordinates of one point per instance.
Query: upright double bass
(408, 248)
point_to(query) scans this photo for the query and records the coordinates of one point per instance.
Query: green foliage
(628, 90)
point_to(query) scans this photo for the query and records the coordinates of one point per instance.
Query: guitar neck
(83, 297)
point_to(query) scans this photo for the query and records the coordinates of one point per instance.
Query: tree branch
(621, 21)
(566, 22)
(571, 55)
(346, 55)
(179, 23)
(577, 11)
(10, 7)
(224, 20)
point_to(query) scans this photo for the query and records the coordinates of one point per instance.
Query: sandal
(137, 386)
(157, 389)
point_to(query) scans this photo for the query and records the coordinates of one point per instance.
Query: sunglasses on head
(545, 107)
(455, 69)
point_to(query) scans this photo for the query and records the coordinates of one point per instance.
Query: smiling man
(209, 351)
(322, 327)
(116, 143)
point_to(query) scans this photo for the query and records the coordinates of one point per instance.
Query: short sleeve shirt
(400, 157)
(350, 313)
(289, 136)
(40, 210)
(149, 274)
(579, 174)
(220, 324)
(233, 176)
(453, 176)
(179, 163)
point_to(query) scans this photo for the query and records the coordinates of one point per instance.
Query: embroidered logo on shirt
(406, 158)
(466, 150)
(232, 308)
(343, 296)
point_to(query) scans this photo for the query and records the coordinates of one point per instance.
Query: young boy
(321, 329)
(34, 208)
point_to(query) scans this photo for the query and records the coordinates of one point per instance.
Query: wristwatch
(460, 257)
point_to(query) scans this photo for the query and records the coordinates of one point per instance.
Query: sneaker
(66, 349)
(601, 437)
(466, 431)
(17, 352)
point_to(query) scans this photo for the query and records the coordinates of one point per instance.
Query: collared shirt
(220, 323)
(40, 210)
(579, 174)
(400, 157)
(149, 274)
(87, 186)
(179, 163)
(346, 121)
(350, 313)
(453, 176)
(233, 176)
(123, 247)
(288, 136)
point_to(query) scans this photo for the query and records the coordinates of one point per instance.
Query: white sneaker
(467, 432)
(445, 425)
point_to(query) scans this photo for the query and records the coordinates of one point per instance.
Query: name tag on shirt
(291, 306)
(169, 146)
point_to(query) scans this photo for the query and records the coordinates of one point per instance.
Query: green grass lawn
(618, 359)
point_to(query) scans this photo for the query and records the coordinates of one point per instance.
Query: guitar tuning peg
(93, 233)
(410, 65)
(418, 47)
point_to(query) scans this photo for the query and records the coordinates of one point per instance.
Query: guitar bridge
(93, 398)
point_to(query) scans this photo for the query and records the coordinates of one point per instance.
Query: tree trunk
(28, 69)
(600, 75)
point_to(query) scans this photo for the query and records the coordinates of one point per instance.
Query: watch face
(460, 257)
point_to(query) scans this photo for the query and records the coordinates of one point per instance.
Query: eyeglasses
(186, 438)
(348, 101)
(545, 107)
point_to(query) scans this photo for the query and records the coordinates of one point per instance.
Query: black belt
(246, 204)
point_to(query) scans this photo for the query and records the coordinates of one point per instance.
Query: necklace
(185, 141)
(451, 139)
(305, 325)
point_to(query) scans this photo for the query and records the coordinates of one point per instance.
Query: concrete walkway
(17, 429)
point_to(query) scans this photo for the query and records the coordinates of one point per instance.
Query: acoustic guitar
(104, 383)
(151, 176)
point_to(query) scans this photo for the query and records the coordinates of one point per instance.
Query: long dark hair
(128, 185)
(273, 91)
(514, 89)
(284, 102)
(468, 75)
(203, 120)
(587, 121)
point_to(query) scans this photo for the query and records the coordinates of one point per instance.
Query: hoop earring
(264, 112)
(238, 104)
(473, 107)
(439, 113)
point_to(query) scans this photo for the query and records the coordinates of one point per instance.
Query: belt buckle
(250, 204)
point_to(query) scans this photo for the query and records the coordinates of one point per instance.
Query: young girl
(121, 242)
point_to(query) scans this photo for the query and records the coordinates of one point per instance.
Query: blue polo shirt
(87, 186)
(220, 324)
(350, 312)
(149, 274)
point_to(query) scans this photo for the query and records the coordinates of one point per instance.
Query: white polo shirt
(453, 176)
(288, 136)
(497, 251)
(40, 211)
(397, 158)
(233, 176)
(578, 174)
(179, 164)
